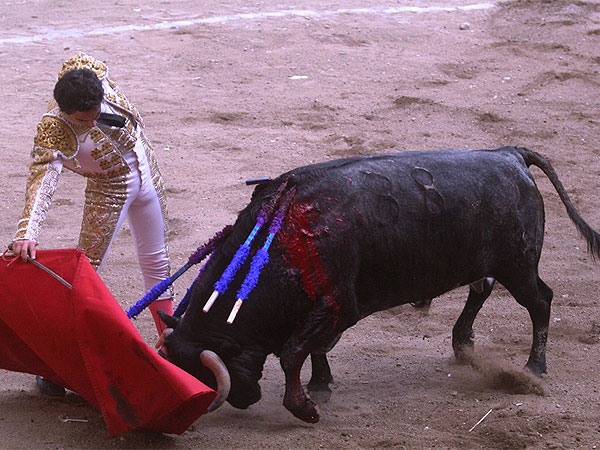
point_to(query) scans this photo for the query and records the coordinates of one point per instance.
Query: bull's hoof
(463, 344)
(463, 350)
(538, 369)
(320, 396)
(422, 303)
(319, 390)
(308, 411)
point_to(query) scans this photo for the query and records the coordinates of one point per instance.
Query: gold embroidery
(83, 61)
(113, 160)
(96, 135)
(120, 136)
(121, 101)
(51, 105)
(41, 184)
(55, 134)
(114, 134)
(108, 175)
(103, 204)
(103, 150)
(42, 155)
(136, 113)
(116, 172)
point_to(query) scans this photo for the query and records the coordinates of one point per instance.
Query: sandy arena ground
(231, 92)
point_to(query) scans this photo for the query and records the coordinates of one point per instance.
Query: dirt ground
(236, 93)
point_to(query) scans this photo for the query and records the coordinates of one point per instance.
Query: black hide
(365, 234)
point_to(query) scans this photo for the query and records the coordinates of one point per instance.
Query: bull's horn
(162, 337)
(212, 362)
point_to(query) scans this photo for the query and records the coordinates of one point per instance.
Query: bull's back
(413, 225)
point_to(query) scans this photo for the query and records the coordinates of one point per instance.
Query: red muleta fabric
(80, 338)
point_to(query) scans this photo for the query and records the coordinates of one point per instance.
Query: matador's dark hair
(78, 90)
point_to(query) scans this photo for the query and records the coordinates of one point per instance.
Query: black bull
(364, 234)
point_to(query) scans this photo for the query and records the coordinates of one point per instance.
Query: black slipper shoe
(49, 388)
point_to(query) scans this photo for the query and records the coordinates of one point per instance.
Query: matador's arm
(53, 140)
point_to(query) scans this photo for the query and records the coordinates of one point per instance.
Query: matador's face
(85, 118)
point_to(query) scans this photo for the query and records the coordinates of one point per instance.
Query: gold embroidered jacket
(60, 143)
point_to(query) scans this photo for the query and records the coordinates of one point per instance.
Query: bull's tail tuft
(592, 237)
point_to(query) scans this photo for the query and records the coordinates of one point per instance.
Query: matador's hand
(24, 248)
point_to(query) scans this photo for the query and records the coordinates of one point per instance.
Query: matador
(123, 179)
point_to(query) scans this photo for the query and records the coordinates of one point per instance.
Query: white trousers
(146, 222)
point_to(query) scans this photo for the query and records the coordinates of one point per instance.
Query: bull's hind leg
(462, 333)
(536, 296)
(321, 377)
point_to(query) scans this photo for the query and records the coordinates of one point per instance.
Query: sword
(55, 275)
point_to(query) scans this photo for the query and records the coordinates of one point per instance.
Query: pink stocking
(165, 305)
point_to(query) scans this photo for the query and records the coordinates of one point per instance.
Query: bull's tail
(592, 237)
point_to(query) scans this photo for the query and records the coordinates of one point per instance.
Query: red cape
(80, 338)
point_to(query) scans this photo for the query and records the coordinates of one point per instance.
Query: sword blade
(55, 275)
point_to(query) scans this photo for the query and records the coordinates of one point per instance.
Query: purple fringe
(200, 253)
(242, 253)
(183, 304)
(259, 260)
(210, 246)
(237, 261)
(262, 255)
(152, 295)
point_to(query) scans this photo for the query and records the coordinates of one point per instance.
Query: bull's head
(208, 359)
(209, 364)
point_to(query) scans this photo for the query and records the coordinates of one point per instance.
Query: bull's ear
(170, 321)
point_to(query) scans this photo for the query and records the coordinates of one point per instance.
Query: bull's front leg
(316, 332)
(296, 400)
